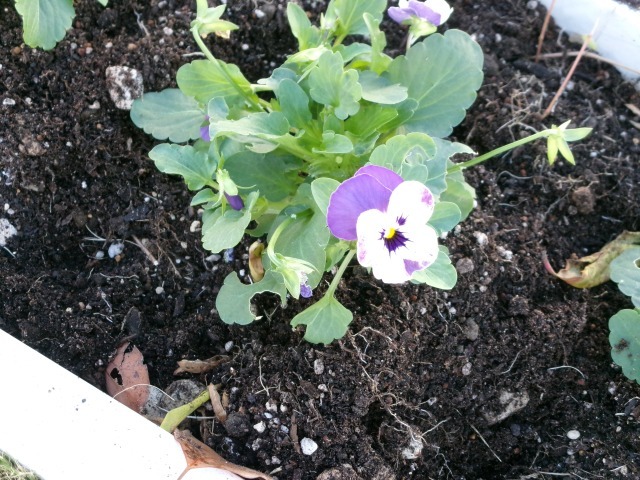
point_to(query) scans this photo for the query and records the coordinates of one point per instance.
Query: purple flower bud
(305, 289)
(204, 133)
(436, 12)
(235, 201)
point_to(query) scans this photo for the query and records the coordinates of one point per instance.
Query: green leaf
(440, 274)
(413, 157)
(262, 125)
(168, 114)
(460, 193)
(353, 50)
(45, 21)
(103, 2)
(222, 230)
(308, 36)
(378, 89)
(307, 236)
(348, 15)
(625, 271)
(234, 298)
(442, 73)
(370, 119)
(204, 196)
(624, 338)
(326, 321)
(333, 143)
(330, 85)
(274, 174)
(294, 102)
(379, 60)
(446, 215)
(204, 80)
(196, 167)
(322, 188)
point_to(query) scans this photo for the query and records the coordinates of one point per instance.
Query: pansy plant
(340, 153)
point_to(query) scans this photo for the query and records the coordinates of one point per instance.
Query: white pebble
(228, 346)
(124, 85)
(260, 427)
(167, 31)
(466, 369)
(115, 249)
(318, 366)
(308, 446)
(259, 13)
(195, 226)
(573, 434)
(159, 290)
(8, 102)
(271, 406)
(481, 238)
(99, 255)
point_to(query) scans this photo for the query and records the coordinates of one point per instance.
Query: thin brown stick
(563, 87)
(592, 55)
(543, 31)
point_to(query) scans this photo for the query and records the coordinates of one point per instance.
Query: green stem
(498, 151)
(336, 279)
(223, 69)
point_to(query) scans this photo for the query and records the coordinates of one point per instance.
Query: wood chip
(200, 366)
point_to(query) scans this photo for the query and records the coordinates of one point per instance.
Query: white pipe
(62, 428)
(617, 28)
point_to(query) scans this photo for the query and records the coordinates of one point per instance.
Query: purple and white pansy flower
(436, 12)
(387, 216)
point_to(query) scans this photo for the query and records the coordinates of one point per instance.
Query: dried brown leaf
(216, 403)
(200, 455)
(592, 270)
(633, 108)
(127, 377)
(256, 269)
(200, 366)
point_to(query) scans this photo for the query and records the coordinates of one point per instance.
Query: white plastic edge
(63, 428)
(617, 33)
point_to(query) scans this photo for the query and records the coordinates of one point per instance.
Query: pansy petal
(421, 248)
(398, 265)
(370, 247)
(425, 13)
(441, 7)
(411, 202)
(399, 15)
(354, 196)
(386, 177)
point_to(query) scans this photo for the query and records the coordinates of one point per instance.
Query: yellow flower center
(390, 234)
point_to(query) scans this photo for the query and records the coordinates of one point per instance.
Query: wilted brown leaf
(200, 366)
(200, 455)
(256, 269)
(216, 403)
(127, 377)
(593, 269)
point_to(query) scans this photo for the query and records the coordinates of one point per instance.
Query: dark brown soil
(417, 363)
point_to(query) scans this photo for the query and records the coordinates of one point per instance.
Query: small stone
(9, 102)
(308, 446)
(471, 330)
(464, 265)
(271, 406)
(227, 255)
(6, 231)
(481, 238)
(343, 472)
(167, 31)
(195, 227)
(237, 425)
(260, 427)
(573, 434)
(466, 368)
(159, 290)
(99, 255)
(124, 85)
(532, 4)
(508, 404)
(318, 366)
(115, 249)
(228, 346)
(584, 200)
